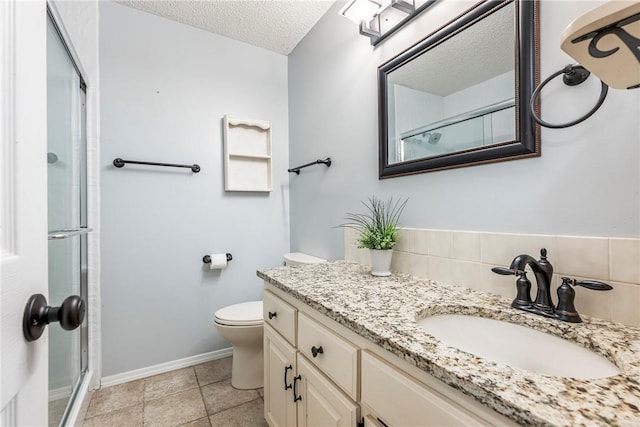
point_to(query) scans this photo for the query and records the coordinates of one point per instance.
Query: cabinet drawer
(281, 316)
(337, 358)
(413, 404)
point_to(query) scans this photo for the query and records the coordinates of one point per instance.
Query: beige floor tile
(250, 414)
(56, 410)
(221, 395)
(169, 383)
(126, 417)
(116, 397)
(201, 422)
(214, 371)
(175, 410)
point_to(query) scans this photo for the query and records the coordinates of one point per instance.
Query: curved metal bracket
(573, 75)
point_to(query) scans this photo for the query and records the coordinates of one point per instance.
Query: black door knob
(37, 315)
(272, 314)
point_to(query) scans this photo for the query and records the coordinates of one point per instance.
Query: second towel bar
(119, 163)
(326, 162)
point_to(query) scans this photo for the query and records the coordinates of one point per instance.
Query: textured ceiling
(483, 51)
(277, 25)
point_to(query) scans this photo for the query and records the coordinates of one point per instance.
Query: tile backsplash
(465, 258)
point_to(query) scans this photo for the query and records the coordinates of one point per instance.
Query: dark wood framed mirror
(460, 96)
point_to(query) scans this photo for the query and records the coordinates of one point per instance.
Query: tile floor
(199, 396)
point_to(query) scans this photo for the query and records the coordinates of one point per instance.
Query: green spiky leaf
(379, 225)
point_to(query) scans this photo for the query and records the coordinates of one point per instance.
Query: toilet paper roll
(218, 261)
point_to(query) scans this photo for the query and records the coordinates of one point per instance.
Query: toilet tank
(298, 258)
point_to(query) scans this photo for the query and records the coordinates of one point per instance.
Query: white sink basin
(518, 346)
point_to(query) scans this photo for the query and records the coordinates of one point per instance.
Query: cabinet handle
(382, 422)
(272, 314)
(286, 368)
(295, 389)
(315, 351)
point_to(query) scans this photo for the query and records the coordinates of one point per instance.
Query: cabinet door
(399, 400)
(320, 402)
(279, 370)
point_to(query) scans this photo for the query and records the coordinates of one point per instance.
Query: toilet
(242, 325)
(295, 259)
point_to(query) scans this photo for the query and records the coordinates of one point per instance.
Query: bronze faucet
(543, 304)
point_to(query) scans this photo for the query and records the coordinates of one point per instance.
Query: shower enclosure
(67, 217)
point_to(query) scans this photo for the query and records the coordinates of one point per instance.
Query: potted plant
(378, 229)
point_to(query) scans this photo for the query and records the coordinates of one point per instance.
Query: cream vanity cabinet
(296, 392)
(319, 373)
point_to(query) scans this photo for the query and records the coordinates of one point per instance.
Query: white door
(23, 208)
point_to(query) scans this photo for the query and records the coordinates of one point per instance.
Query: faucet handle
(592, 284)
(507, 271)
(566, 309)
(523, 293)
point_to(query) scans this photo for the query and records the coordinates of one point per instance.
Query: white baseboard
(60, 393)
(164, 367)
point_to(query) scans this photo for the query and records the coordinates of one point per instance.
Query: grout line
(170, 394)
(114, 410)
(204, 402)
(215, 382)
(111, 412)
(144, 404)
(235, 406)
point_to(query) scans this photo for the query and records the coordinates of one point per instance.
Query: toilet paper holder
(207, 259)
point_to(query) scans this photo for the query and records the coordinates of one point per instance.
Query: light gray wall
(585, 183)
(165, 88)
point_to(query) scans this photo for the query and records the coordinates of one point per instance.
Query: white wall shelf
(247, 154)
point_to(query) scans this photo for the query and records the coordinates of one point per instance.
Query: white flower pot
(381, 262)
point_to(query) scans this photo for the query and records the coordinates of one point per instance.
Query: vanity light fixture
(360, 10)
(379, 19)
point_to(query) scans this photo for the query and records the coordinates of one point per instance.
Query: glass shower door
(66, 175)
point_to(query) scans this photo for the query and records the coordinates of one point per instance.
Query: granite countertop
(385, 311)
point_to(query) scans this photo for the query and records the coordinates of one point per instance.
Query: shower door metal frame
(56, 20)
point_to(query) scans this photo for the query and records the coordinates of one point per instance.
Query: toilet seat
(244, 314)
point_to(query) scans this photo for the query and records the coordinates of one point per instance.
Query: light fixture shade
(360, 10)
(378, 19)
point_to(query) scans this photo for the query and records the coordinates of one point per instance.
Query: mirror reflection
(468, 99)
(453, 99)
